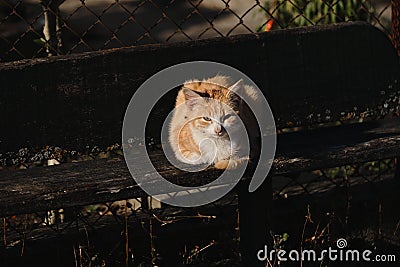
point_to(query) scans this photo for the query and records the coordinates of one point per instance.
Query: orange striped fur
(205, 112)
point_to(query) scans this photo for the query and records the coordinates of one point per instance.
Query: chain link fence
(34, 28)
(337, 202)
(139, 231)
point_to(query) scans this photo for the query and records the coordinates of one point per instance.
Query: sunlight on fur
(206, 127)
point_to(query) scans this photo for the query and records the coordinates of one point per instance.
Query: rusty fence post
(395, 34)
(255, 222)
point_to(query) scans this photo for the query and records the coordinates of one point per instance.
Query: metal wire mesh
(107, 233)
(139, 231)
(34, 28)
(98, 234)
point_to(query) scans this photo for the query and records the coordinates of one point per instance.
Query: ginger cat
(208, 116)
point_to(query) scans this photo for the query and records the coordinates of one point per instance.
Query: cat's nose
(219, 130)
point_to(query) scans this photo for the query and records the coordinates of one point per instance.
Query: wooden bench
(312, 78)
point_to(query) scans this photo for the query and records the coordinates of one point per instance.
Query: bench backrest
(308, 75)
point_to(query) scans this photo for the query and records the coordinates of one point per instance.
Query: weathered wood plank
(364, 198)
(74, 184)
(78, 100)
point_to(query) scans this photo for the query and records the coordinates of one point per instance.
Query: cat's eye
(227, 116)
(206, 119)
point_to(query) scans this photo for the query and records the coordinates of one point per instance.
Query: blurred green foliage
(297, 13)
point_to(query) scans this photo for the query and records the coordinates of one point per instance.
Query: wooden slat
(74, 184)
(44, 242)
(78, 100)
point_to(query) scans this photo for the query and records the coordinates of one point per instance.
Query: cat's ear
(236, 90)
(192, 99)
(238, 87)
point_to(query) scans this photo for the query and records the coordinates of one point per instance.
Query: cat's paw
(230, 164)
(191, 157)
(222, 164)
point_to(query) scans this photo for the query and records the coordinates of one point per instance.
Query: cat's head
(213, 110)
